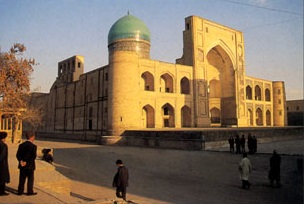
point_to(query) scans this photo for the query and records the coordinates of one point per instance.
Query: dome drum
(129, 34)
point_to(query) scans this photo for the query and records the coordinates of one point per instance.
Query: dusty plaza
(162, 176)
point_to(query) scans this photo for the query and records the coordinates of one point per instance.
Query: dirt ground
(162, 176)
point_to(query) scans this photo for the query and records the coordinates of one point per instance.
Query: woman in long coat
(245, 170)
(4, 172)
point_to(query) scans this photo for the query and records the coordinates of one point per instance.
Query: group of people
(26, 155)
(237, 144)
(274, 175)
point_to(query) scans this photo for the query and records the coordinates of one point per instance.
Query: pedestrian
(4, 171)
(243, 142)
(238, 144)
(231, 144)
(250, 144)
(254, 144)
(245, 171)
(121, 180)
(26, 155)
(275, 169)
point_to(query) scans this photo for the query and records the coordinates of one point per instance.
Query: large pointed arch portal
(220, 69)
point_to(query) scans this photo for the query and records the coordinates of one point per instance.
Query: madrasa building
(206, 87)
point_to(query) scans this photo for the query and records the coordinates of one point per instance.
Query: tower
(128, 40)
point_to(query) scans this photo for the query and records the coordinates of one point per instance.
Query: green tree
(15, 72)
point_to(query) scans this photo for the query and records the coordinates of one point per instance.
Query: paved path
(160, 176)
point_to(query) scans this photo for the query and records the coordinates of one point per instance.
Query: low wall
(202, 139)
(187, 139)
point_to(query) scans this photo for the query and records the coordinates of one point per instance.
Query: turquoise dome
(128, 27)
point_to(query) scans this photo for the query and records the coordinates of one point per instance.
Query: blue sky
(53, 30)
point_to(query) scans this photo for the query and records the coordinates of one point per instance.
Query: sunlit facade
(206, 87)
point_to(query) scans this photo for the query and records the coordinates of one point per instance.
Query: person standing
(245, 169)
(231, 144)
(238, 144)
(26, 155)
(4, 171)
(121, 180)
(275, 169)
(243, 142)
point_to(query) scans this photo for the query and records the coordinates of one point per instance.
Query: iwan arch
(206, 87)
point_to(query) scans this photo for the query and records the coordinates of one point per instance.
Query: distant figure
(275, 169)
(245, 170)
(254, 144)
(238, 144)
(121, 180)
(231, 144)
(243, 142)
(26, 155)
(250, 144)
(4, 171)
(48, 156)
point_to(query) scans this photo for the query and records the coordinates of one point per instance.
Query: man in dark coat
(26, 155)
(4, 171)
(275, 168)
(238, 144)
(121, 180)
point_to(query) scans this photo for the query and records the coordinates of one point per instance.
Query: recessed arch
(257, 93)
(148, 81)
(215, 115)
(267, 95)
(148, 116)
(186, 116)
(222, 89)
(185, 85)
(168, 115)
(250, 117)
(259, 117)
(268, 118)
(166, 83)
(248, 92)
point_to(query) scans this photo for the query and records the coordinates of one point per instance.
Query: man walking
(275, 169)
(121, 179)
(26, 155)
(245, 170)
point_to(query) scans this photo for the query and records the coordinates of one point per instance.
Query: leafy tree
(15, 72)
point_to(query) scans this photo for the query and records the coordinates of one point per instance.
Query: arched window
(267, 95)
(185, 85)
(148, 80)
(166, 83)
(250, 117)
(257, 93)
(248, 93)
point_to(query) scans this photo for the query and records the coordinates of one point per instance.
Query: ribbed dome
(128, 27)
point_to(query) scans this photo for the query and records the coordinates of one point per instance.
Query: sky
(54, 30)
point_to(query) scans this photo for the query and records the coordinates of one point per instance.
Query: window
(280, 101)
(187, 26)
(106, 77)
(79, 64)
(298, 108)
(185, 86)
(279, 91)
